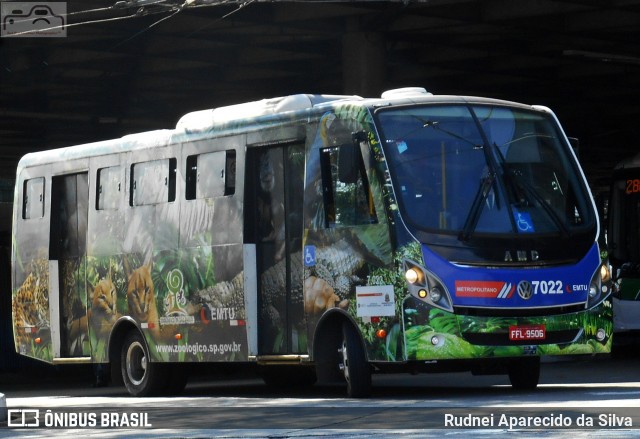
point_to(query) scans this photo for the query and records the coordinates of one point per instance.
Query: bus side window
(153, 182)
(33, 204)
(347, 198)
(211, 175)
(108, 188)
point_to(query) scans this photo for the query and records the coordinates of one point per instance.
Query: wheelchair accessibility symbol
(309, 255)
(524, 222)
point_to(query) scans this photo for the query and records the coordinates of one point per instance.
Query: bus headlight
(598, 288)
(425, 286)
(411, 275)
(605, 273)
(435, 294)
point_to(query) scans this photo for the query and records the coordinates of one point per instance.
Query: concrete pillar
(3, 408)
(363, 63)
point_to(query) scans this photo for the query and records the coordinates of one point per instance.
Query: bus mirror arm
(358, 137)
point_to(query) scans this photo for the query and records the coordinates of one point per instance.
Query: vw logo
(525, 290)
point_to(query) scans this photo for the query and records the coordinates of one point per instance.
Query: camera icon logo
(29, 19)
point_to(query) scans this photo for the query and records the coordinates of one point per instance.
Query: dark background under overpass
(132, 66)
(118, 75)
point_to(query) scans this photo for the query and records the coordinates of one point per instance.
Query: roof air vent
(405, 92)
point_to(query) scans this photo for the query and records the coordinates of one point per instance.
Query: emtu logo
(27, 19)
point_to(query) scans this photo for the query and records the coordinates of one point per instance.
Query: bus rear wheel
(524, 374)
(354, 365)
(141, 377)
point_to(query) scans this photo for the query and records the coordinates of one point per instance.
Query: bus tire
(141, 376)
(354, 365)
(524, 374)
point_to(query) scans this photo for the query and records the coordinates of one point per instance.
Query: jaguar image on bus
(315, 237)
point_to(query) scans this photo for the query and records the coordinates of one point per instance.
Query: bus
(313, 238)
(623, 241)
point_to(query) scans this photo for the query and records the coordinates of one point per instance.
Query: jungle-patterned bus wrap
(336, 235)
(482, 311)
(434, 333)
(175, 293)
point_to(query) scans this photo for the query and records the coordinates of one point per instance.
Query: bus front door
(273, 221)
(68, 236)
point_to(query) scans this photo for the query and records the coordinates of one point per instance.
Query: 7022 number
(547, 286)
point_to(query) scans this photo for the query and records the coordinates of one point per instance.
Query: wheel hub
(344, 366)
(136, 363)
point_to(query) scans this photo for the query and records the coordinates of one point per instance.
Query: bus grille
(502, 339)
(517, 312)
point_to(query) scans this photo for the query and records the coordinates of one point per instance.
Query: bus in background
(623, 238)
(316, 237)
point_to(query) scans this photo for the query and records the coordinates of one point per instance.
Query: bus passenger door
(273, 221)
(67, 251)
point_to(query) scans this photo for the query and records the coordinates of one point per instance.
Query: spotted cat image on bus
(317, 237)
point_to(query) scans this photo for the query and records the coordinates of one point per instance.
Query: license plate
(527, 332)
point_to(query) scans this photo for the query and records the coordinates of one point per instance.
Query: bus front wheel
(141, 376)
(524, 374)
(354, 365)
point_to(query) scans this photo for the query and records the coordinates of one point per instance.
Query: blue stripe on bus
(507, 287)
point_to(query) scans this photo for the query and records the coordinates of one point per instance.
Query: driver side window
(347, 198)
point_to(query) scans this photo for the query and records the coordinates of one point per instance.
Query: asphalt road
(572, 394)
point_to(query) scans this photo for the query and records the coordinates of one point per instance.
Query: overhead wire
(240, 6)
(171, 6)
(176, 11)
(190, 5)
(142, 10)
(116, 6)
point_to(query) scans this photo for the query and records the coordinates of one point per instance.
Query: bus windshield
(478, 169)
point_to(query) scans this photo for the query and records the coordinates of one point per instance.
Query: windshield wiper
(476, 208)
(532, 193)
(486, 184)
(484, 189)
